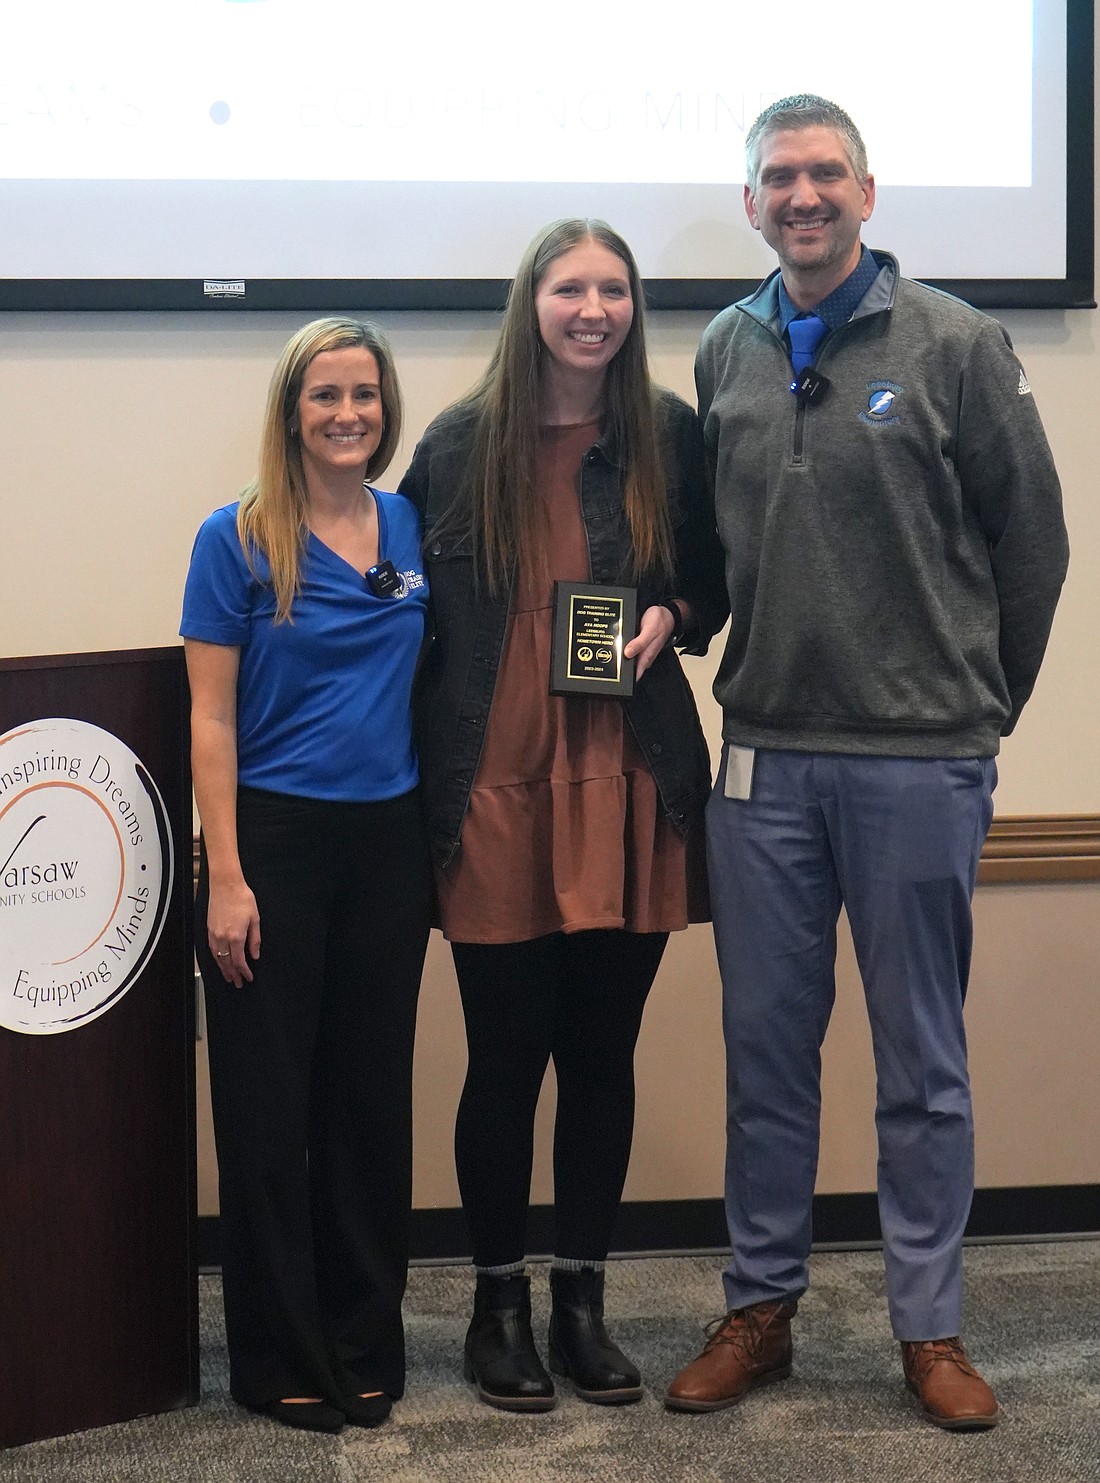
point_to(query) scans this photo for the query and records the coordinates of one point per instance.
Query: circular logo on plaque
(85, 873)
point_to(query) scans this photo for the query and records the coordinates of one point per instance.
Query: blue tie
(805, 334)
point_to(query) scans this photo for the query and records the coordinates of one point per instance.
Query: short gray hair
(803, 111)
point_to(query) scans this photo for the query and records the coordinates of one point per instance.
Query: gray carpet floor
(1034, 1329)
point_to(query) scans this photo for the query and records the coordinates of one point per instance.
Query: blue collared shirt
(839, 306)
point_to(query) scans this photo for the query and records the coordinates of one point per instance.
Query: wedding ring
(223, 954)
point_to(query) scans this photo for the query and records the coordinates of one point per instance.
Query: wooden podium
(98, 1298)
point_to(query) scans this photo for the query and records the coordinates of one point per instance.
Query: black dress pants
(311, 1072)
(577, 997)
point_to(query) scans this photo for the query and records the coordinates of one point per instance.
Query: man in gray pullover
(894, 553)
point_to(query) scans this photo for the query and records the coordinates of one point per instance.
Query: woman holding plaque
(566, 828)
(303, 618)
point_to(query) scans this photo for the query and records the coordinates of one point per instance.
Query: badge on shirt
(739, 765)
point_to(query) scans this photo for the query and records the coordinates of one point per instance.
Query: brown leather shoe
(948, 1386)
(748, 1347)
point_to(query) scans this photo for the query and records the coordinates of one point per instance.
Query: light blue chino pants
(896, 841)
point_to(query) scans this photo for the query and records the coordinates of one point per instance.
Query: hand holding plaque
(592, 623)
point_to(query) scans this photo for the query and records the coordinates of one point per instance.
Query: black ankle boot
(580, 1346)
(501, 1358)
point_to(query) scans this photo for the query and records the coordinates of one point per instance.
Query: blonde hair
(272, 513)
(496, 499)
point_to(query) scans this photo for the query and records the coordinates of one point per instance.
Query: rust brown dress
(565, 829)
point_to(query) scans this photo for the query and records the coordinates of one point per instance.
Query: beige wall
(118, 433)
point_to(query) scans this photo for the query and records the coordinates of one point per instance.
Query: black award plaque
(592, 622)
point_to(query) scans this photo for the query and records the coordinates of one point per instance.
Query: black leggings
(577, 997)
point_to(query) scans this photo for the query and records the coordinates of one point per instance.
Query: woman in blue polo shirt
(303, 618)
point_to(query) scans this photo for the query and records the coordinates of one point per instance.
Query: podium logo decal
(85, 873)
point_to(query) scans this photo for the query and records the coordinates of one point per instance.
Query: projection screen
(283, 154)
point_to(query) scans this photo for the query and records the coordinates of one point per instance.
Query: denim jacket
(457, 678)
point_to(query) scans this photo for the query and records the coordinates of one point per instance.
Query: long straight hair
(495, 502)
(273, 513)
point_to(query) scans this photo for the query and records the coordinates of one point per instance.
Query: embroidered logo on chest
(881, 407)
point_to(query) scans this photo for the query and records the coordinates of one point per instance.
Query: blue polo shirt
(323, 702)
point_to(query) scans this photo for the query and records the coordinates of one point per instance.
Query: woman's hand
(233, 918)
(233, 930)
(654, 631)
